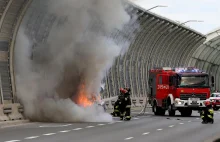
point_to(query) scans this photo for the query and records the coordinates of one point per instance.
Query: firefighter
(207, 114)
(117, 105)
(126, 105)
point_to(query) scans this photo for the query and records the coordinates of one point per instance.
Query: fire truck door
(162, 88)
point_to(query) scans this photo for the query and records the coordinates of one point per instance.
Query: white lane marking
(181, 123)
(171, 126)
(33, 137)
(136, 118)
(13, 141)
(55, 125)
(49, 134)
(197, 118)
(90, 126)
(118, 121)
(189, 121)
(101, 124)
(65, 131)
(129, 138)
(76, 129)
(159, 129)
(146, 133)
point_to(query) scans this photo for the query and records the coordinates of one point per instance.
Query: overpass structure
(158, 42)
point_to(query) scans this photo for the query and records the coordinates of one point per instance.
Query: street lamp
(190, 21)
(156, 7)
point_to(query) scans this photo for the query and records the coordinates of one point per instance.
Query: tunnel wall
(207, 57)
(159, 42)
(11, 13)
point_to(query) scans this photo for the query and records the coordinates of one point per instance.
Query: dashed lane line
(76, 129)
(90, 126)
(159, 129)
(171, 126)
(146, 133)
(65, 131)
(129, 138)
(49, 134)
(136, 118)
(181, 123)
(101, 124)
(32, 137)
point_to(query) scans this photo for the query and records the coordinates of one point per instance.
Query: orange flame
(82, 98)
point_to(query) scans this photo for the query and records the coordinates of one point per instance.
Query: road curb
(13, 123)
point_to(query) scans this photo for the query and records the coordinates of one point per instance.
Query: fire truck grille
(217, 101)
(187, 96)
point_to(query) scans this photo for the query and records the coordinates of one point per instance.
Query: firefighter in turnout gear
(117, 105)
(207, 114)
(126, 105)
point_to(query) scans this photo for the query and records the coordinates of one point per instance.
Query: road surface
(147, 128)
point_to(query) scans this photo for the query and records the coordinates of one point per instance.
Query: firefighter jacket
(118, 103)
(208, 112)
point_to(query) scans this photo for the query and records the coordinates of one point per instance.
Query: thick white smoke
(79, 50)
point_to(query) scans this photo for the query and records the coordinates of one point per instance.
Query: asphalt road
(148, 128)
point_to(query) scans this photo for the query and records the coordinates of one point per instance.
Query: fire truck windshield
(193, 81)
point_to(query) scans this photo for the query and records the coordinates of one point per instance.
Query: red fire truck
(182, 89)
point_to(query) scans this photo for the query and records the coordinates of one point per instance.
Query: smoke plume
(78, 51)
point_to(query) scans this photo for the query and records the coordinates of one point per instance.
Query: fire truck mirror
(170, 81)
(213, 79)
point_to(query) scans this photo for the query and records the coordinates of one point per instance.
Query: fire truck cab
(182, 89)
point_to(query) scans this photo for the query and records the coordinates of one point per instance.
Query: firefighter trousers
(116, 111)
(126, 113)
(208, 116)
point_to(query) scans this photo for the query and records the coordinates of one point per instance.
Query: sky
(207, 11)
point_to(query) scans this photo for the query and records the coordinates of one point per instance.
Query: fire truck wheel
(158, 110)
(215, 108)
(171, 111)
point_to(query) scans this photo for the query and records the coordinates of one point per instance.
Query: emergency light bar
(187, 70)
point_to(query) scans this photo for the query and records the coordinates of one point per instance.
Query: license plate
(194, 100)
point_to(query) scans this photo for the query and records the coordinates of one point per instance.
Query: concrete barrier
(3, 116)
(13, 111)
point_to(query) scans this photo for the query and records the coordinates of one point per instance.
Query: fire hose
(143, 111)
